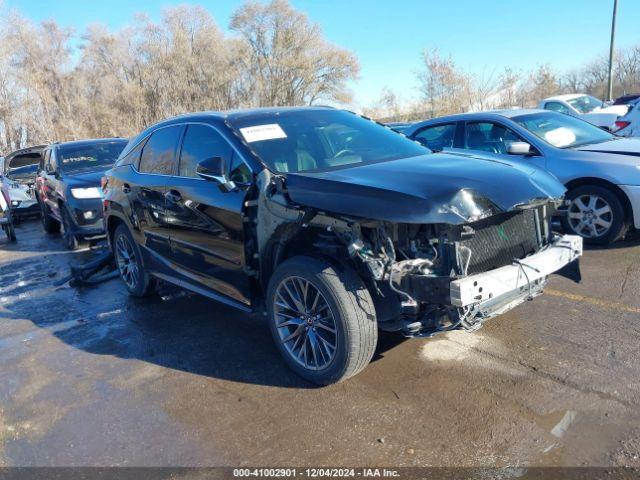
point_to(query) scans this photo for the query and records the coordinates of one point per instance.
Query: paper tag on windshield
(262, 132)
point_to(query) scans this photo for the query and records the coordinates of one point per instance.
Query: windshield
(585, 103)
(562, 131)
(314, 140)
(102, 155)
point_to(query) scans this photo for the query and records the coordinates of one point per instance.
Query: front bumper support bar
(517, 277)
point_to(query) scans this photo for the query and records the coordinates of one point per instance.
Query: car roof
(566, 96)
(244, 112)
(487, 114)
(88, 141)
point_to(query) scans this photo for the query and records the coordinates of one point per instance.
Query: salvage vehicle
(19, 175)
(599, 169)
(68, 187)
(585, 107)
(332, 225)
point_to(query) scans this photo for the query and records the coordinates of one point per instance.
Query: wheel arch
(112, 222)
(319, 243)
(600, 182)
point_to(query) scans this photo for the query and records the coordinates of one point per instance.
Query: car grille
(498, 244)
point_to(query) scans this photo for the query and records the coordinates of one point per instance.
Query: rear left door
(146, 192)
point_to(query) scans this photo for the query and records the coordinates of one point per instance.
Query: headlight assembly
(85, 193)
(469, 206)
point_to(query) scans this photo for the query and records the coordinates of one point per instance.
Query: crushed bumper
(517, 281)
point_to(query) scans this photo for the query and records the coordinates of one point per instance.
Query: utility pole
(613, 36)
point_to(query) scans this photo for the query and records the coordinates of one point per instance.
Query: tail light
(620, 124)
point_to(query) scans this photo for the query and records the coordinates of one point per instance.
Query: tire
(132, 272)
(72, 242)
(50, 224)
(583, 219)
(343, 297)
(10, 232)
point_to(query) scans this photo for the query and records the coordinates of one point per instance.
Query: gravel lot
(91, 377)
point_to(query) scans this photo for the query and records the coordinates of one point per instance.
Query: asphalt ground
(91, 377)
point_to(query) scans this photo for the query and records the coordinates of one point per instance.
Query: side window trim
(222, 135)
(136, 166)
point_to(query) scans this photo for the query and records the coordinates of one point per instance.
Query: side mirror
(214, 169)
(519, 148)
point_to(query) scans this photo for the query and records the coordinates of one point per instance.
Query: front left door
(492, 139)
(206, 227)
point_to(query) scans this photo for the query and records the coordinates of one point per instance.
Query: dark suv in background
(333, 225)
(68, 187)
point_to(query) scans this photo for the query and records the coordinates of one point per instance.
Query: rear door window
(437, 137)
(159, 153)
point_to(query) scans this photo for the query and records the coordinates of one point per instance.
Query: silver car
(600, 170)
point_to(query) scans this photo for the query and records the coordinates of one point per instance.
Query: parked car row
(601, 171)
(331, 224)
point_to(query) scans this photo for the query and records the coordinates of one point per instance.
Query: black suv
(68, 187)
(333, 225)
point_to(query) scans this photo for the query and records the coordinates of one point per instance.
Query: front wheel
(596, 214)
(10, 232)
(50, 224)
(71, 241)
(129, 263)
(322, 319)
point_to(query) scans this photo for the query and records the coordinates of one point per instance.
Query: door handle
(126, 188)
(173, 196)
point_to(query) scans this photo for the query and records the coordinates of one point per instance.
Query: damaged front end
(471, 260)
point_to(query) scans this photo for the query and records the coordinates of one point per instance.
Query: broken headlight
(470, 206)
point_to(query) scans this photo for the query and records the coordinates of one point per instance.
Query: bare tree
(288, 60)
(443, 87)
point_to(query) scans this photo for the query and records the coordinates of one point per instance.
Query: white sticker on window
(262, 132)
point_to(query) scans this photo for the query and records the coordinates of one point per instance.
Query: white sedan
(586, 107)
(629, 125)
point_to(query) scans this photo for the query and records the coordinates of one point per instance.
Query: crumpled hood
(619, 146)
(420, 189)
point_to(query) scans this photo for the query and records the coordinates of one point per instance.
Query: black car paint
(191, 231)
(193, 234)
(414, 190)
(53, 189)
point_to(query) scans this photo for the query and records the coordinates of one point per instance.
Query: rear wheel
(322, 319)
(129, 263)
(50, 224)
(596, 214)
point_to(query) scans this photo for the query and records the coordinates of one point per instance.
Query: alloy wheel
(590, 216)
(305, 323)
(127, 262)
